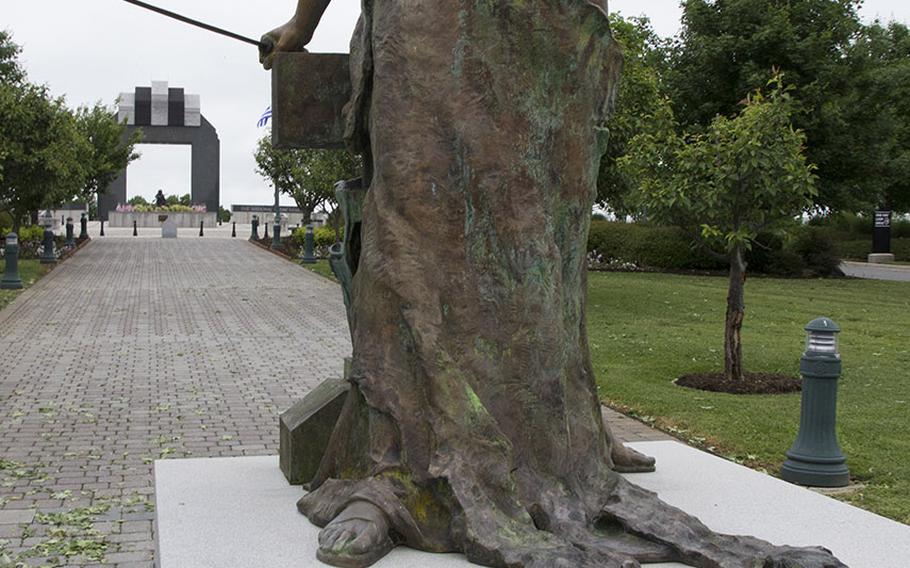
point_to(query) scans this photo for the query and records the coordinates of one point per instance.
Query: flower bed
(154, 219)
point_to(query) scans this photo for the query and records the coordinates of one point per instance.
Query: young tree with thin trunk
(306, 175)
(742, 176)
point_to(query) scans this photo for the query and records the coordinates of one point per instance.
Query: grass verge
(647, 329)
(321, 268)
(30, 271)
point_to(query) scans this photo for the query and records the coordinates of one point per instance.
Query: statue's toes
(330, 536)
(356, 538)
(368, 539)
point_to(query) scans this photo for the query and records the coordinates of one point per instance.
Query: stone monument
(169, 115)
(168, 228)
(472, 423)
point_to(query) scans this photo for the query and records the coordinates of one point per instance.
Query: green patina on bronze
(473, 423)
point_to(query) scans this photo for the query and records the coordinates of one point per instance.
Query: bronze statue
(473, 422)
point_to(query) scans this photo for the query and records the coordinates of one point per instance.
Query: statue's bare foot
(356, 538)
(627, 460)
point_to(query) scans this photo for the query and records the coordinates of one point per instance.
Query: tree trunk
(473, 422)
(733, 323)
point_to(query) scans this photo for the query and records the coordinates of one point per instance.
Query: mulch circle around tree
(754, 383)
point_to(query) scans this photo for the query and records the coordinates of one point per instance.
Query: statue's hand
(288, 37)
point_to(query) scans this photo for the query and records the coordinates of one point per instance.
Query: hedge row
(648, 247)
(860, 249)
(810, 253)
(848, 227)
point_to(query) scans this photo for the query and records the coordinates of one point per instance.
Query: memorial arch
(167, 115)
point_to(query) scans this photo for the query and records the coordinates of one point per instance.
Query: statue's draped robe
(474, 423)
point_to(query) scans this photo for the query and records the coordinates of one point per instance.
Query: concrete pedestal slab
(228, 512)
(880, 258)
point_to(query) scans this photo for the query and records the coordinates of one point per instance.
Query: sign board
(881, 234)
(882, 219)
(285, 209)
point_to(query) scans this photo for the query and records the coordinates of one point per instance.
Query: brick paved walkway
(141, 349)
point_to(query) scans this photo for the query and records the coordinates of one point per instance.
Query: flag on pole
(264, 119)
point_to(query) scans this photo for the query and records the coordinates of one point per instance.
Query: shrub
(855, 249)
(6, 222)
(323, 238)
(31, 238)
(852, 227)
(900, 229)
(818, 252)
(859, 249)
(786, 263)
(666, 248)
(31, 233)
(812, 252)
(766, 253)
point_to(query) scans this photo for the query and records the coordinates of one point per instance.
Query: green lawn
(321, 268)
(647, 329)
(29, 270)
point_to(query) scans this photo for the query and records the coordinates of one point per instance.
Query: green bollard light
(816, 459)
(48, 256)
(11, 279)
(276, 233)
(266, 236)
(102, 227)
(234, 230)
(201, 228)
(308, 256)
(254, 236)
(135, 229)
(70, 233)
(83, 227)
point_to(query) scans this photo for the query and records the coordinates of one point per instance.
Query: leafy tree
(137, 200)
(42, 150)
(739, 177)
(109, 151)
(224, 215)
(638, 100)
(307, 175)
(730, 47)
(879, 105)
(10, 70)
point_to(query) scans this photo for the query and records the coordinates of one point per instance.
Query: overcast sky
(92, 50)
